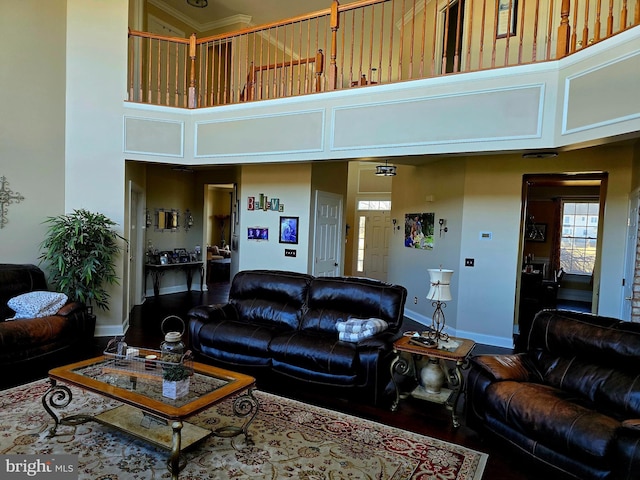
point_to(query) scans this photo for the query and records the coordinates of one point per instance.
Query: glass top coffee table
(145, 413)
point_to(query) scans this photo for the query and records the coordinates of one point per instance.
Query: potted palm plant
(80, 250)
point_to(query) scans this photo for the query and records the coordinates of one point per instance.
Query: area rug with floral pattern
(290, 440)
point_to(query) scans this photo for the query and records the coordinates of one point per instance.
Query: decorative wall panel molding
(152, 136)
(588, 105)
(511, 113)
(299, 132)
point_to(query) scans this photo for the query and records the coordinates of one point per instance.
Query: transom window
(374, 204)
(579, 239)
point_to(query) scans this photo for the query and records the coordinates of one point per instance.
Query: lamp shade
(440, 281)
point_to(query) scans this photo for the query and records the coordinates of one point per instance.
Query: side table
(447, 396)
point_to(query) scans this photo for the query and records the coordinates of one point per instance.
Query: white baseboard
(504, 342)
(169, 290)
(111, 330)
(495, 341)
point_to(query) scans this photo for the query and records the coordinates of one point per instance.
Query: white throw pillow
(37, 304)
(356, 329)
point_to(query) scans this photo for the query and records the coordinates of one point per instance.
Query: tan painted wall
(32, 122)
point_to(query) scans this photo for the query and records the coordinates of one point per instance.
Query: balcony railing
(366, 43)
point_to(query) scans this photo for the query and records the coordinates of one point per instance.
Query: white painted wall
(94, 165)
(291, 185)
(80, 84)
(483, 194)
(32, 75)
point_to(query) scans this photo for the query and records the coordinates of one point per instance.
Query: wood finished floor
(414, 415)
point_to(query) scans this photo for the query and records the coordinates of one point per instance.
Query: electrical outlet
(415, 300)
(469, 262)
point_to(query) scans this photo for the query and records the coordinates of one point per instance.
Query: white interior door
(376, 251)
(630, 261)
(136, 242)
(328, 235)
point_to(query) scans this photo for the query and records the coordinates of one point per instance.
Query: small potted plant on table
(175, 381)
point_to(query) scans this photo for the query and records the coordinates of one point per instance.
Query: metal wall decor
(7, 197)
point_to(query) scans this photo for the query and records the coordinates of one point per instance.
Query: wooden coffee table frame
(245, 406)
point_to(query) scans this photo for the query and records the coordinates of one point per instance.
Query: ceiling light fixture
(544, 154)
(198, 3)
(182, 169)
(386, 170)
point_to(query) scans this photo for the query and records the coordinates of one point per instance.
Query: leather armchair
(29, 347)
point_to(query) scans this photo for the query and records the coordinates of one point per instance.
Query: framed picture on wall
(257, 233)
(289, 230)
(536, 232)
(507, 17)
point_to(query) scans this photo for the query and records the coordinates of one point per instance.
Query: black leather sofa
(29, 347)
(570, 398)
(281, 326)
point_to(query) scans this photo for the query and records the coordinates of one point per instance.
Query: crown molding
(201, 27)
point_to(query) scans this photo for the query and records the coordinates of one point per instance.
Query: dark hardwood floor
(414, 415)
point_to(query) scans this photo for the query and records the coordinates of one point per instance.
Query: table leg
(201, 277)
(398, 365)
(243, 406)
(59, 396)
(189, 273)
(456, 382)
(155, 276)
(173, 465)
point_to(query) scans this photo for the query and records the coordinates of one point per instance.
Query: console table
(158, 270)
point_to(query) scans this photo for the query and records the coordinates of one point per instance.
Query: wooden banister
(319, 70)
(368, 42)
(192, 75)
(335, 25)
(564, 30)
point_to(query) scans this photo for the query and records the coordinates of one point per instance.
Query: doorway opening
(452, 16)
(218, 208)
(560, 247)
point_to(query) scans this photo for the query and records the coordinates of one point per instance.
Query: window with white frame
(374, 204)
(579, 239)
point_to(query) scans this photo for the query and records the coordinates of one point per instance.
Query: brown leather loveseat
(29, 347)
(570, 398)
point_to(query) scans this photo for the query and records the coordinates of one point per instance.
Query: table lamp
(439, 293)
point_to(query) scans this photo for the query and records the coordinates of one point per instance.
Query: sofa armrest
(504, 367)
(380, 341)
(627, 450)
(71, 308)
(211, 313)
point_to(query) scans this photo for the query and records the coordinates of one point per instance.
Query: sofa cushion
(23, 339)
(336, 299)
(236, 342)
(553, 417)
(590, 356)
(319, 353)
(37, 304)
(269, 297)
